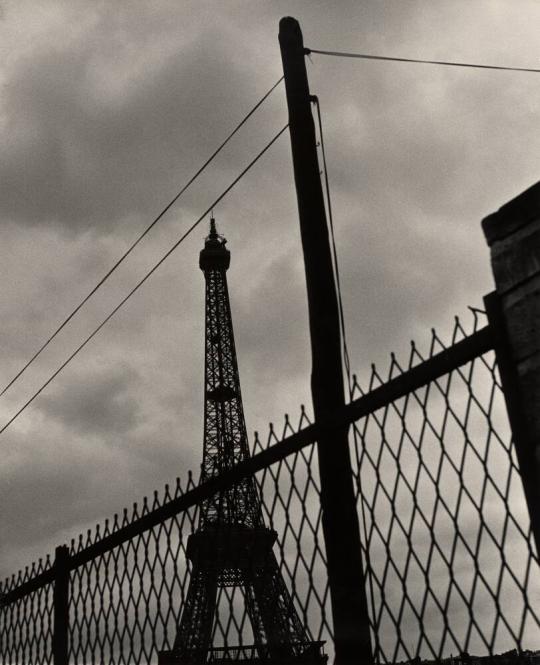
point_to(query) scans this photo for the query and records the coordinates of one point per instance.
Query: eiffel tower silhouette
(232, 547)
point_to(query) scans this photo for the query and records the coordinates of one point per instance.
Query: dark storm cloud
(98, 403)
(107, 109)
(91, 137)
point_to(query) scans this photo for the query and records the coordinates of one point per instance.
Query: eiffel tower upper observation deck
(231, 546)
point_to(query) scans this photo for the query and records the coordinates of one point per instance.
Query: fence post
(513, 235)
(61, 606)
(339, 514)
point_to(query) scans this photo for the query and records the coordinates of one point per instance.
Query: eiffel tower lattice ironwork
(232, 547)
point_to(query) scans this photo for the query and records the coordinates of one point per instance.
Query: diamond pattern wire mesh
(125, 604)
(450, 563)
(291, 505)
(450, 560)
(26, 625)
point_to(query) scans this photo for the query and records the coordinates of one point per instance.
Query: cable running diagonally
(346, 358)
(138, 240)
(365, 56)
(143, 280)
(350, 383)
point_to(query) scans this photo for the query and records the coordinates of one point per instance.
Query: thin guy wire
(143, 280)
(138, 240)
(364, 56)
(344, 338)
(334, 253)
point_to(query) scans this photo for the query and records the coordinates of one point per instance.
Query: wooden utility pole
(339, 512)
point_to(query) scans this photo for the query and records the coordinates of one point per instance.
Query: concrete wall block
(522, 314)
(513, 234)
(517, 257)
(528, 372)
(529, 368)
(515, 214)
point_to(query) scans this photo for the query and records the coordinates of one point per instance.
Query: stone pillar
(513, 235)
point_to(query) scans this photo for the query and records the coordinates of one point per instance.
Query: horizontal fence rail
(123, 530)
(446, 536)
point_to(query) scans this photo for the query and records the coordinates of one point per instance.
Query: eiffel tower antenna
(231, 546)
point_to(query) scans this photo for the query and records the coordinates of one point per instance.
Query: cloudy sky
(106, 110)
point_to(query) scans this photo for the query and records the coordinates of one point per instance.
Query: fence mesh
(450, 560)
(26, 625)
(291, 503)
(125, 605)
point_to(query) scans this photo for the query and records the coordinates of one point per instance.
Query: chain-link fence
(449, 559)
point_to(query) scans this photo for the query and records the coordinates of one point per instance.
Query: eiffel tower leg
(195, 631)
(281, 622)
(255, 617)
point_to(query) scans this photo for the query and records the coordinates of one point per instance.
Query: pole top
(290, 33)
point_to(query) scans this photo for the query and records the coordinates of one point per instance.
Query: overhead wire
(445, 63)
(346, 358)
(143, 280)
(138, 240)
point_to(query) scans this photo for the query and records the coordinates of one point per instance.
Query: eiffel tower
(231, 546)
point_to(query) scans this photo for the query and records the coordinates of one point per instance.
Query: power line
(138, 240)
(143, 280)
(364, 56)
